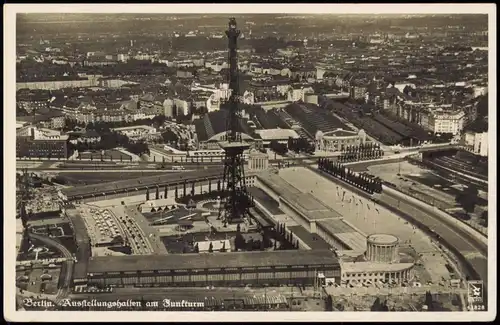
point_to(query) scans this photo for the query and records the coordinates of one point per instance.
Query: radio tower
(236, 201)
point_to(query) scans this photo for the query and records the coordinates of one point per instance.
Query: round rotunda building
(382, 248)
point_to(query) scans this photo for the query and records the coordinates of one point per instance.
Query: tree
(210, 248)
(484, 217)
(265, 240)
(468, 199)
(376, 305)
(329, 303)
(147, 194)
(428, 301)
(239, 242)
(262, 245)
(191, 204)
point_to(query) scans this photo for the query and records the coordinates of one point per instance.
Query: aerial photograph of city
(252, 162)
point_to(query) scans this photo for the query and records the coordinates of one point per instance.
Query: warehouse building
(218, 269)
(211, 130)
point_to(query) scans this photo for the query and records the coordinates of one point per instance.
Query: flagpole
(366, 211)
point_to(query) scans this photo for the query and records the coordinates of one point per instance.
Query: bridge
(207, 160)
(191, 166)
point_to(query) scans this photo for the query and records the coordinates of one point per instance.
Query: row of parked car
(80, 289)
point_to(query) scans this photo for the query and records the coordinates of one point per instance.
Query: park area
(34, 250)
(38, 280)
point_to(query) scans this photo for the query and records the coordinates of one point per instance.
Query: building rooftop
(364, 267)
(305, 203)
(83, 243)
(311, 258)
(383, 239)
(340, 133)
(278, 184)
(341, 230)
(214, 123)
(312, 207)
(267, 202)
(277, 134)
(314, 119)
(134, 127)
(314, 241)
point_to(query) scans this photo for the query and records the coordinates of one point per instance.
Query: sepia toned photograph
(269, 161)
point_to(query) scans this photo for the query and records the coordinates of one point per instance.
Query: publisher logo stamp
(475, 295)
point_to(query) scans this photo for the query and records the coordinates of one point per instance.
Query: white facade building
(182, 106)
(296, 94)
(447, 122)
(477, 143)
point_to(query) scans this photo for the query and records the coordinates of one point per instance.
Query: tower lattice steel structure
(235, 201)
